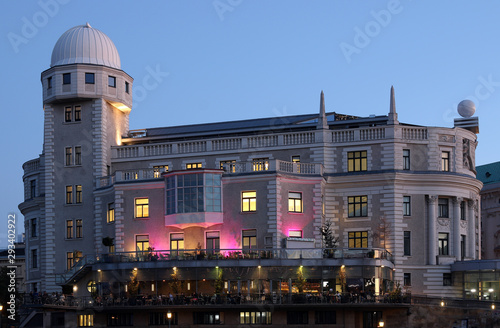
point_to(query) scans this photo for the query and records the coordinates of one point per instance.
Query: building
(266, 218)
(489, 175)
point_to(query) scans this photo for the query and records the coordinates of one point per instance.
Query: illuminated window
(68, 114)
(443, 243)
(69, 229)
(192, 166)
(249, 238)
(141, 243)
(89, 78)
(79, 228)
(69, 156)
(358, 206)
(111, 212)
(406, 159)
(295, 202)
(69, 194)
(112, 81)
(255, 318)
(67, 78)
(92, 286)
(406, 205)
(176, 243)
(445, 161)
(70, 260)
(295, 233)
(85, 320)
(358, 239)
(206, 318)
(142, 207)
(159, 169)
(248, 201)
(78, 113)
(443, 208)
(296, 159)
(78, 155)
(356, 161)
(260, 164)
(79, 195)
(228, 166)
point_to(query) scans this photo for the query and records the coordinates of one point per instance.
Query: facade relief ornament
(463, 224)
(432, 199)
(445, 222)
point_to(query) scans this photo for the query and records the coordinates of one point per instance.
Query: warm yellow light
(169, 315)
(490, 290)
(493, 306)
(216, 267)
(381, 324)
(473, 290)
(175, 268)
(75, 288)
(259, 267)
(98, 270)
(135, 269)
(442, 303)
(343, 266)
(1, 308)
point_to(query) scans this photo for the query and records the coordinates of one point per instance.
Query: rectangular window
(33, 228)
(49, 82)
(249, 238)
(120, 319)
(358, 206)
(260, 164)
(69, 156)
(141, 243)
(296, 159)
(78, 155)
(79, 228)
(357, 161)
(407, 243)
(443, 244)
(78, 113)
(85, 320)
(406, 205)
(248, 201)
(295, 233)
(79, 195)
(447, 279)
(89, 78)
(462, 246)
(325, 317)
(161, 319)
(206, 318)
(112, 81)
(358, 239)
(34, 258)
(228, 166)
(297, 317)
(70, 260)
(463, 211)
(111, 213)
(69, 229)
(159, 169)
(32, 188)
(255, 318)
(445, 161)
(406, 279)
(69, 194)
(68, 114)
(443, 208)
(193, 166)
(213, 242)
(127, 87)
(67, 78)
(142, 207)
(295, 202)
(176, 243)
(406, 159)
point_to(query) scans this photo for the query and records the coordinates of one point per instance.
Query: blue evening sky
(221, 60)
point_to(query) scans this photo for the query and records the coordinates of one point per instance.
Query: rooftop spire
(393, 116)
(322, 122)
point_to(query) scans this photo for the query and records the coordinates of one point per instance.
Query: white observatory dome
(85, 45)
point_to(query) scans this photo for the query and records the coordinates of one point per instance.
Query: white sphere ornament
(466, 108)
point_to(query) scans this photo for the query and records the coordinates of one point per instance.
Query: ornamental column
(456, 227)
(471, 230)
(432, 229)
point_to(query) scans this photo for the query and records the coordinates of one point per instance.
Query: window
(85, 320)
(445, 161)
(463, 211)
(79, 228)
(213, 242)
(176, 243)
(255, 318)
(159, 169)
(358, 239)
(447, 279)
(228, 166)
(33, 228)
(142, 207)
(249, 238)
(34, 258)
(358, 206)
(78, 155)
(89, 78)
(325, 317)
(406, 205)
(78, 113)
(192, 166)
(406, 159)
(120, 319)
(297, 317)
(79, 196)
(443, 208)
(49, 82)
(141, 243)
(69, 156)
(407, 243)
(111, 213)
(295, 233)
(127, 87)
(68, 114)
(443, 243)
(67, 78)
(295, 202)
(69, 194)
(196, 192)
(372, 318)
(296, 159)
(69, 229)
(112, 81)
(356, 161)
(32, 188)
(406, 279)
(70, 260)
(248, 201)
(161, 319)
(462, 246)
(260, 164)
(206, 318)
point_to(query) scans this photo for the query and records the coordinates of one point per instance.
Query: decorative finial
(322, 122)
(88, 25)
(393, 116)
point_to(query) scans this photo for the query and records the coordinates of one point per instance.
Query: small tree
(301, 280)
(174, 282)
(329, 240)
(219, 283)
(133, 284)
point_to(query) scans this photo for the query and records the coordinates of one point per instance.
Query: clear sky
(220, 60)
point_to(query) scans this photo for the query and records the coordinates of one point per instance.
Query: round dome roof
(85, 45)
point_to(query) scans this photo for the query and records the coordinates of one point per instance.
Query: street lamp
(169, 317)
(1, 309)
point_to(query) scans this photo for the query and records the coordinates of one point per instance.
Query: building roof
(85, 45)
(488, 173)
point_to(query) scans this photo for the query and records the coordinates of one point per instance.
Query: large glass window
(249, 238)
(358, 239)
(406, 205)
(406, 159)
(248, 201)
(142, 207)
(445, 161)
(190, 193)
(358, 206)
(141, 243)
(443, 207)
(443, 243)
(295, 202)
(356, 161)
